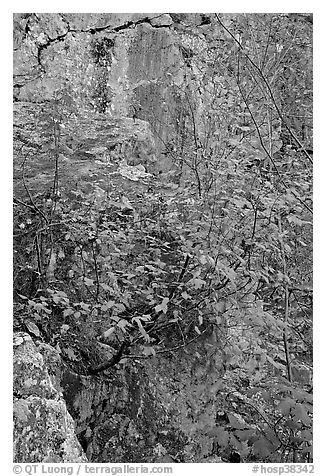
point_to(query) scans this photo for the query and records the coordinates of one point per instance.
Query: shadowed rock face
(43, 429)
(153, 411)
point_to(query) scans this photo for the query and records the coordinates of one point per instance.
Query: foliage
(222, 243)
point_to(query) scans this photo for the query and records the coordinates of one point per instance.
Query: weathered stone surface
(133, 79)
(43, 429)
(94, 21)
(162, 20)
(98, 145)
(49, 26)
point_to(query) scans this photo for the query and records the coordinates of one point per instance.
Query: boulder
(43, 428)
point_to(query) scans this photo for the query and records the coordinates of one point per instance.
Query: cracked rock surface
(125, 64)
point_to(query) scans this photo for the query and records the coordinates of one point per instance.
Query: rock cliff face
(123, 65)
(128, 65)
(123, 72)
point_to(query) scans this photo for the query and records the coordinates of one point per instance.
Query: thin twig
(96, 271)
(286, 305)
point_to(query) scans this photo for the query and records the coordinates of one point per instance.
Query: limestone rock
(94, 21)
(136, 69)
(51, 25)
(43, 429)
(162, 20)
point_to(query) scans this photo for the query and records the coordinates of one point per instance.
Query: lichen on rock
(43, 429)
